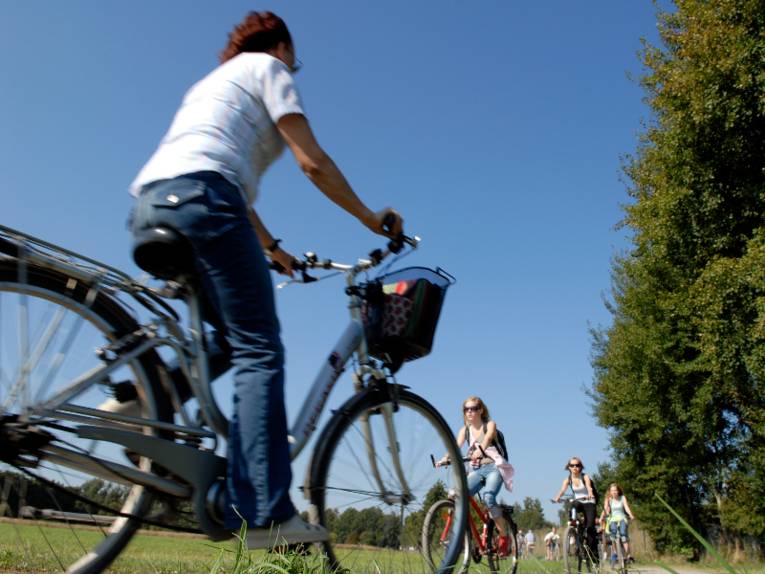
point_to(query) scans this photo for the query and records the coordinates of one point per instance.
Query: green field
(26, 548)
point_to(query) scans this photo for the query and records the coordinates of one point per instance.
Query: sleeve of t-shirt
(280, 94)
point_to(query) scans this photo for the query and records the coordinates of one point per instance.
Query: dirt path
(655, 569)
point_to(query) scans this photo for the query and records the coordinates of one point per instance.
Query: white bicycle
(70, 338)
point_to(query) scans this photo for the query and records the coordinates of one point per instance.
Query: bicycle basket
(401, 311)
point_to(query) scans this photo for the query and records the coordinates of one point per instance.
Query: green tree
(680, 373)
(412, 531)
(530, 515)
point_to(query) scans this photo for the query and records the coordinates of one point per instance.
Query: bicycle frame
(482, 514)
(199, 468)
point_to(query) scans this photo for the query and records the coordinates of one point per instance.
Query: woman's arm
(460, 441)
(325, 175)
(627, 508)
(562, 490)
(461, 437)
(267, 240)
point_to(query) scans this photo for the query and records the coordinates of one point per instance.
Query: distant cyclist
(551, 543)
(617, 511)
(201, 180)
(580, 486)
(489, 469)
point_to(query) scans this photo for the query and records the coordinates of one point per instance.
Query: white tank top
(580, 492)
(617, 508)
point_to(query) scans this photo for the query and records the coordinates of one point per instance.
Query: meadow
(25, 547)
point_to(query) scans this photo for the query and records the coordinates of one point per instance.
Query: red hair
(258, 32)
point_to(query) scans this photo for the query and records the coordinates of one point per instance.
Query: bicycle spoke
(395, 493)
(47, 345)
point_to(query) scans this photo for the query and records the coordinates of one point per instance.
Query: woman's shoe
(503, 546)
(292, 531)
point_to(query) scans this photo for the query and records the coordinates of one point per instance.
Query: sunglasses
(575, 466)
(471, 409)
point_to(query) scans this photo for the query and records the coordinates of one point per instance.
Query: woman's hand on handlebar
(387, 222)
(283, 262)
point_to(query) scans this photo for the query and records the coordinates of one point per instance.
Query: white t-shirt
(551, 537)
(227, 124)
(530, 538)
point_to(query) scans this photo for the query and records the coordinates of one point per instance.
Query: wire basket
(401, 312)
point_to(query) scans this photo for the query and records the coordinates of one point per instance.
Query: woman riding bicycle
(617, 510)
(200, 182)
(489, 469)
(583, 496)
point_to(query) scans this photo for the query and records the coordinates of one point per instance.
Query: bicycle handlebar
(311, 260)
(464, 458)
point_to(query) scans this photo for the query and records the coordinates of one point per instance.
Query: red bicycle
(481, 539)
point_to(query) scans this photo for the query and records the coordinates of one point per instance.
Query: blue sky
(496, 128)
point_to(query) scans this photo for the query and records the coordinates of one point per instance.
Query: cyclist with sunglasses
(583, 495)
(488, 469)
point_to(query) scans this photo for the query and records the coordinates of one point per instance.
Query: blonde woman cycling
(488, 469)
(617, 510)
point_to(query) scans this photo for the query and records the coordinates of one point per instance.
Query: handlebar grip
(388, 222)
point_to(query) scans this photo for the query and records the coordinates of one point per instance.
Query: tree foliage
(680, 373)
(530, 515)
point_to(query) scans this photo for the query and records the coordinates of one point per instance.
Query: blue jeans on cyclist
(619, 528)
(488, 477)
(235, 279)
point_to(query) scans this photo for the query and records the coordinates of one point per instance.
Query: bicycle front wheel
(437, 533)
(571, 553)
(51, 326)
(621, 558)
(372, 482)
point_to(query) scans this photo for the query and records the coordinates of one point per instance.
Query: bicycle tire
(338, 466)
(434, 536)
(60, 318)
(571, 552)
(620, 557)
(496, 563)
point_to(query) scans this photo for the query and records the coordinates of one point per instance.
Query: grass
(26, 548)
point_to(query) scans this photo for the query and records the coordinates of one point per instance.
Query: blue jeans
(489, 476)
(621, 527)
(234, 276)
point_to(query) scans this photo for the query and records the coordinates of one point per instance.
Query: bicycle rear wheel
(373, 461)
(50, 328)
(437, 533)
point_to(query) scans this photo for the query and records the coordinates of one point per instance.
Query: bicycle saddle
(163, 252)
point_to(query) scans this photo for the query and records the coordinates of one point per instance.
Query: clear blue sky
(495, 127)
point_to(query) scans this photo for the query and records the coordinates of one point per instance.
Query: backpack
(497, 442)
